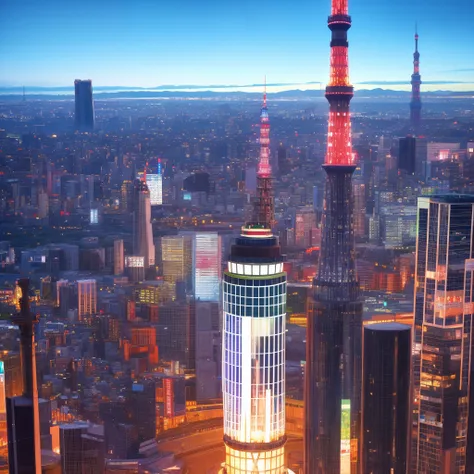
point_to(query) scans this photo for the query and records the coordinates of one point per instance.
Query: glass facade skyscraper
(206, 265)
(254, 311)
(84, 105)
(442, 349)
(386, 398)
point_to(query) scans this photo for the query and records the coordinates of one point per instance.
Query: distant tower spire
(415, 104)
(24, 95)
(264, 210)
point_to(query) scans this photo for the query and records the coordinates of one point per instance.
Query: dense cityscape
(204, 282)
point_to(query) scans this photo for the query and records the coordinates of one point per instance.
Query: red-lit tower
(334, 334)
(415, 104)
(264, 210)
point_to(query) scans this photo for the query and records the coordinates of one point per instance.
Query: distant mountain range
(204, 92)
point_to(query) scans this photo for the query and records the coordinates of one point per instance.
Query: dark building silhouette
(282, 160)
(385, 398)
(407, 155)
(84, 105)
(143, 409)
(24, 450)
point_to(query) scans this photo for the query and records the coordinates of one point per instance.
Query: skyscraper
(119, 261)
(24, 450)
(176, 254)
(334, 331)
(143, 230)
(154, 182)
(386, 398)
(415, 104)
(407, 155)
(207, 265)
(442, 357)
(253, 379)
(86, 298)
(84, 106)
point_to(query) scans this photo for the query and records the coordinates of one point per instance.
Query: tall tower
(143, 241)
(264, 209)
(415, 104)
(253, 366)
(334, 332)
(84, 105)
(24, 451)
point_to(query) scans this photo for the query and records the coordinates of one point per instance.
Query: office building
(176, 332)
(305, 223)
(154, 182)
(360, 209)
(385, 398)
(176, 255)
(135, 268)
(143, 409)
(334, 331)
(442, 350)
(208, 350)
(80, 450)
(407, 155)
(254, 319)
(119, 259)
(143, 230)
(207, 253)
(86, 298)
(84, 105)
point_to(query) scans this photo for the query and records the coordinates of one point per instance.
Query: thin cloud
(403, 83)
(459, 70)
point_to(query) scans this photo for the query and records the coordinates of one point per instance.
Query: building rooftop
(452, 198)
(389, 327)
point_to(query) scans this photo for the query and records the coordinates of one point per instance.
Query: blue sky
(153, 42)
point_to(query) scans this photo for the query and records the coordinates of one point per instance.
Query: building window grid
(273, 374)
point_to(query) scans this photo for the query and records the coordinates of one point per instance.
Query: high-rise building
(176, 255)
(208, 350)
(143, 230)
(386, 398)
(81, 451)
(119, 260)
(84, 105)
(253, 379)
(360, 209)
(334, 331)
(305, 223)
(415, 104)
(143, 409)
(154, 182)
(207, 253)
(23, 424)
(407, 155)
(442, 348)
(86, 298)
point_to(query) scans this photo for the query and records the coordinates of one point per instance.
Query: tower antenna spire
(265, 91)
(263, 212)
(415, 103)
(333, 366)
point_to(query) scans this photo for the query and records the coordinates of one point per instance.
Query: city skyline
(169, 45)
